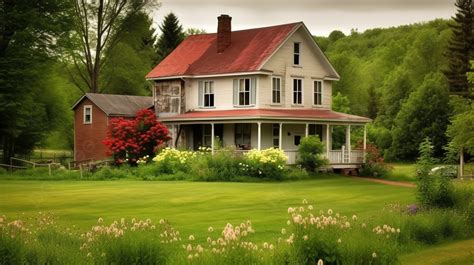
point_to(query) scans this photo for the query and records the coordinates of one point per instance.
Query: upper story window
(276, 90)
(296, 53)
(206, 94)
(87, 114)
(317, 93)
(245, 91)
(297, 91)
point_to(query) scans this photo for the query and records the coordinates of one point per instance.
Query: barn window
(87, 114)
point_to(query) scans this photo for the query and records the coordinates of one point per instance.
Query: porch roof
(313, 115)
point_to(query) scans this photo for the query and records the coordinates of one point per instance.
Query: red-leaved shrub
(130, 139)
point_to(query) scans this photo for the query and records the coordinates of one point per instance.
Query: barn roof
(249, 50)
(117, 105)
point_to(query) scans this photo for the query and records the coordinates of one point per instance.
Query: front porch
(245, 135)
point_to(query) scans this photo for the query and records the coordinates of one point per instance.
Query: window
(175, 103)
(276, 90)
(209, 94)
(297, 91)
(244, 92)
(317, 93)
(297, 139)
(242, 135)
(206, 94)
(316, 129)
(276, 135)
(207, 135)
(296, 53)
(87, 114)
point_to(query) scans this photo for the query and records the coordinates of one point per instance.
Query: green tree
(171, 36)
(28, 49)
(461, 48)
(335, 35)
(98, 26)
(424, 114)
(131, 58)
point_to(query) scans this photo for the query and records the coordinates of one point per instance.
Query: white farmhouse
(255, 88)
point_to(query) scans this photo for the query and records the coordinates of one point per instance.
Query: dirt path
(388, 182)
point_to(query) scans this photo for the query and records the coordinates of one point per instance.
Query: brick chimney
(224, 32)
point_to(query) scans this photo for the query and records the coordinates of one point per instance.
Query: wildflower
(265, 245)
(291, 210)
(191, 237)
(398, 230)
(374, 255)
(354, 217)
(330, 211)
(283, 231)
(305, 237)
(89, 255)
(271, 247)
(210, 229)
(339, 241)
(100, 220)
(190, 256)
(288, 222)
(305, 201)
(161, 221)
(320, 262)
(310, 207)
(103, 254)
(189, 248)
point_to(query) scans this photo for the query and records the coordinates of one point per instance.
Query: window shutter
(236, 92)
(253, 91)
(201, 93)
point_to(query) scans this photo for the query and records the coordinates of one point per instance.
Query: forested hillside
(395, 76)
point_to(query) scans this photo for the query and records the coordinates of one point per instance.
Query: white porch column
(328, 132)
(259, 137)
(348, 142)
(212, 138)
(365, 140)
(306, 132)
(280, 135)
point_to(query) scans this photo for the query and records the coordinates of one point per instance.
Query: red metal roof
(197, 54)
(286, 114)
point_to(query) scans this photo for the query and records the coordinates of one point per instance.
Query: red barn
(92, 113)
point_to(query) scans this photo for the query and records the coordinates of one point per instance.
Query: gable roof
(249, 49)
(117, 105)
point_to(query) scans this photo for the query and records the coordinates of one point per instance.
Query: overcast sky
(320, 16)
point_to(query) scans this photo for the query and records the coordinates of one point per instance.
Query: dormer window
(296, 53)
(87, 114)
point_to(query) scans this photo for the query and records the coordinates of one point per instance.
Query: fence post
(49, 169)
(80, 169)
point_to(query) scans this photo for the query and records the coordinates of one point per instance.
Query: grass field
(460, 253)
(194, 206)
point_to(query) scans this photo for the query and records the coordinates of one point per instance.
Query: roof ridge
(240, 30)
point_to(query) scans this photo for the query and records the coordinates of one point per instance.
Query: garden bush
(108, 172)
(224, 165)
(269, 163)
(433, 189)
(311, 153)
(374, 162)
(171, 161)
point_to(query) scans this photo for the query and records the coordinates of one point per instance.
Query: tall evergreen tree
(461, 48)
(171, 36)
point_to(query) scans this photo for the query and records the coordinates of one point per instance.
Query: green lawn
(194, 206)
(452, 253)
